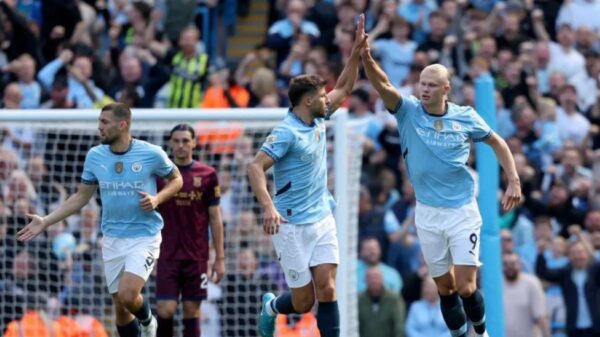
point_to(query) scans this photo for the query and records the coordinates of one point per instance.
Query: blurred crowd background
(543, 55)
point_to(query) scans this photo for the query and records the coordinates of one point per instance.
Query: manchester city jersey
(300, 169)
(120, 177)
(436, 150)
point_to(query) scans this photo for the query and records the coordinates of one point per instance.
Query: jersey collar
(432, 115)
(122, 153)
(185, 167)
(297, 118)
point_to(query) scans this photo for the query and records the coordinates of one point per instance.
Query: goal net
(61, 271)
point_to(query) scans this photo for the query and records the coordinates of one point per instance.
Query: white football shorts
(448, 236)
(132, 255)
(300, 247)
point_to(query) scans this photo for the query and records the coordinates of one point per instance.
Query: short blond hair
(439, 70)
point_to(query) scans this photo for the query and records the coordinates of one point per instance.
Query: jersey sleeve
(480, 130)
(87, 176)
(278, 143)
(407, 106)
(164, 166)
(214, 190)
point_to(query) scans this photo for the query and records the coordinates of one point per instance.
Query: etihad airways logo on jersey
(121, 188)
(443, 139)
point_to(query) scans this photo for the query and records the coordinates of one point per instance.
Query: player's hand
(148, 202)
(360, 39)
(512, 196)
(35, 227)
(218, 270)
(272, 220)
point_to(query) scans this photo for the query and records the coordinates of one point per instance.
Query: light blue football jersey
(436, 150)
(300, 169)
(120, 176)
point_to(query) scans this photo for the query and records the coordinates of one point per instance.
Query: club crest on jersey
(197, 181)
(438, 125)
(456, 126)
(136, 167)
(119, 167)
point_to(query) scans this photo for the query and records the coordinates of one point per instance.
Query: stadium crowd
(544, 57)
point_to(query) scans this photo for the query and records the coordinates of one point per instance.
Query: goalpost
(41, 160)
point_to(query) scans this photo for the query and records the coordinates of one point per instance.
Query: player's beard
(109, 140)
(320, 111)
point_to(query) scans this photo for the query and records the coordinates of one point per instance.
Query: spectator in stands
(396, 53)
(592, 226)
(563, 55)
(24, 68)
(263, 83)
(371, 219)
(189, 69)
(82, 90)
(35, 322)
(380, 310)
(242, 290)
(370, 256)
(572, 125)
(416, 12)
(20, 38)
(282, 32)
(9, 161)
(145, 84)
(59, 95)
(528, 251)
(50, 192)
(424, 316)
(524, 302)
(223, 91)
(569, 170)
(557, 206)
(579, 283)
(13, 96)
(20, 187)
(579, 14)
(370, 127)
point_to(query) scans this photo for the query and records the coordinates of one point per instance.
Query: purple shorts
(187, 278)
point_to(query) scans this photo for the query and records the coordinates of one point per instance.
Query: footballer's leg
(324, 261)
(466, 283)
(434, 245)
(452, 310)
(194, 276)
(139, 264)
(328, 315)
(127, 324)
(129, 295)
(294, 250)
(167, 295)
(191, 318)
(297, 301)
(464, 245)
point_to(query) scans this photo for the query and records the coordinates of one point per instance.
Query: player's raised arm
(389, 94)
(512, 196)
(345, 83)
(70, 206)
(256, 174)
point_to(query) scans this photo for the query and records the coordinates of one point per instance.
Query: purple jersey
(185, 235)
